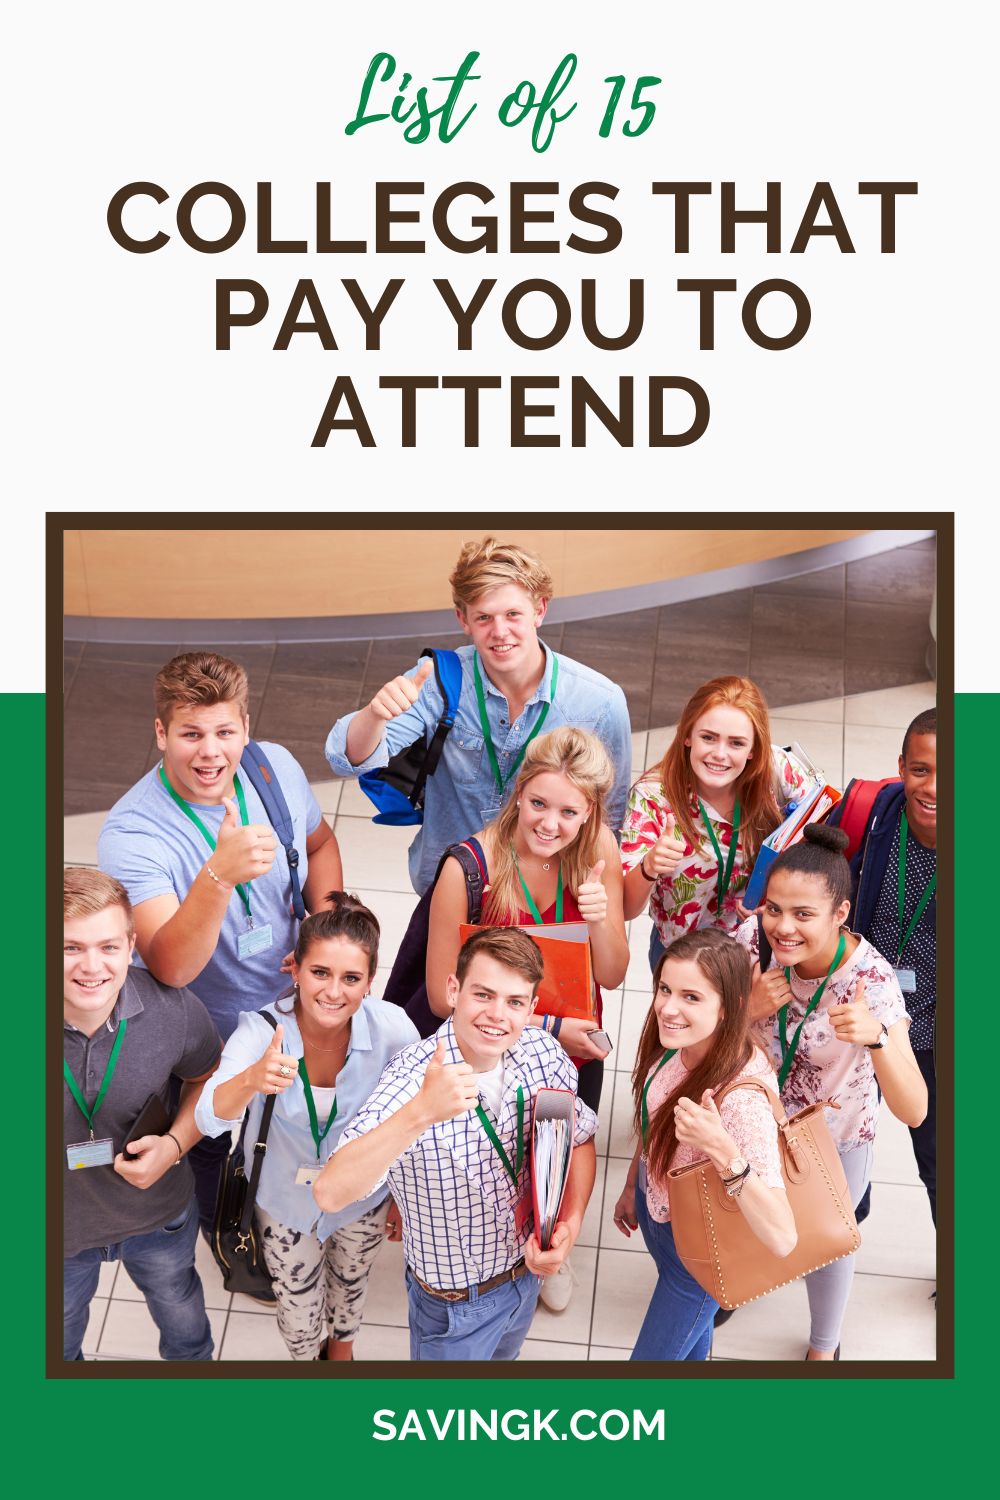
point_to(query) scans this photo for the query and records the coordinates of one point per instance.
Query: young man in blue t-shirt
(206, 875)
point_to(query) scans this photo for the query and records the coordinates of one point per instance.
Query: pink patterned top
(687, 899)
(746, 1115)
(825, 1068)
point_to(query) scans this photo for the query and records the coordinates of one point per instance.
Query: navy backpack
(397, 789)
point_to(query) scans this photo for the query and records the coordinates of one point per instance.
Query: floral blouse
(747, 1116)
(825, 1068)
(688, 898)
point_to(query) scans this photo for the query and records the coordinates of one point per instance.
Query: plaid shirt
(456, 1198)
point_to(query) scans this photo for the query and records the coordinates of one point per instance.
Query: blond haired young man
(125, 1038)
(513, 687)
(206, 875)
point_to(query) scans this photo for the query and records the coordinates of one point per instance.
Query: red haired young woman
(694, 824)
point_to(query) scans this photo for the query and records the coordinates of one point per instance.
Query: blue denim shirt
(378, 1031)
(461, 797)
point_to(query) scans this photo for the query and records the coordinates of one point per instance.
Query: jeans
(655, 949)
(488, 1327)
(206, 1157)
(162, 1266)
(924, 1137)
(678, 1321)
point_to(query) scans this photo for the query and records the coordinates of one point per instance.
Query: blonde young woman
(696, 821)
(548, 857)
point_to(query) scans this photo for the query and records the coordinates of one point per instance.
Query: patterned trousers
(320, 1286)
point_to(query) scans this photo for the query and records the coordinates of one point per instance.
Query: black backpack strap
(261, 775)
(473, 861)
(448, 675)
(764, 954)
(260, 1148)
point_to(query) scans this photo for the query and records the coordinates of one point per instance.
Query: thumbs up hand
(662, 860)
(700, 1125)
(242, 853)
(448, 1089)
(401, 693)
(592, 898)
(275, 1071)
(854, 1023)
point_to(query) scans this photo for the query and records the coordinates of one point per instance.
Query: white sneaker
(558, 1289)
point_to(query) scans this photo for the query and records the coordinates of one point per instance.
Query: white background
(117, 398)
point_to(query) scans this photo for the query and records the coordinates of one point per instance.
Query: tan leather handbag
(714, 1240)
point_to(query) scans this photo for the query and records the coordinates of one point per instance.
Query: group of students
(186, 938)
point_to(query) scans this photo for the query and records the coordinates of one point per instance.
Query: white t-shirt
(491, 1087)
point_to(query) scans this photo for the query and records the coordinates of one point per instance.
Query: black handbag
(235, 1237)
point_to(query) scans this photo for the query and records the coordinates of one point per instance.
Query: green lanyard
(904, 937)
(514, 1172)
(311, 1106)
(643, 1110)
(532, 907)
(725, 875)
(244, 891)
(788, 1052)
(91, 1114)
(485, 723)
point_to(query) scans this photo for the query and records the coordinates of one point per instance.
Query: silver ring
(285, 1072)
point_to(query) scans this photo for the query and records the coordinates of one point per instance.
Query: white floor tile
(639, 976)
(327, 794)
(889, 1317)
(895, 707)
(242, 1304)
(894, 1160)
(106, 1279)
(658, 743)
(897, 1238)
(621, 1140)
(249, 1337)
(590, 1229)
(80, 837)
(572, 1325)
(635, 1009)
(619, 1355)
(823, 743)
(355, 804)
(375, 1342)
(612, 1023)
(393, 909)
(95, 1326)
(819, 711)
(775, 1327)
(639, 761)
(373, 857)
(539, 1349)
(386, 1302)
(211, 1277)
(624, 1286)
(871, 751)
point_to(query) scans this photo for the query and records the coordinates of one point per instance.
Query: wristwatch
(734, 1174)
(882, 1041)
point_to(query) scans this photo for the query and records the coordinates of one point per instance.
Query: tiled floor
(861, 626)
(891, 1315)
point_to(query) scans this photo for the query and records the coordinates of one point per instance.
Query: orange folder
(567, 988)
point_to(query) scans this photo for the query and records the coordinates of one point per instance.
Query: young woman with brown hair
(696, 821)
(695, 1041)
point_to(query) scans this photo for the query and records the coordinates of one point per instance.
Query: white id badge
(307, 1174)
(90, 1154)
(907, 980)
(254, 940)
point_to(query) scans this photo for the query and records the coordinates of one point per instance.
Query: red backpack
(856, 808)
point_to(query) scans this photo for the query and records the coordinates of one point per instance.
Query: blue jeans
(678, 1321)
(489, 1327)
(655, 949)
(162, 1266)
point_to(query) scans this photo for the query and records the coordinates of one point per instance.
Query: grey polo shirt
(169, 1032)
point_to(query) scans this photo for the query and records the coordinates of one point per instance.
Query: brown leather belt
(462, 1294)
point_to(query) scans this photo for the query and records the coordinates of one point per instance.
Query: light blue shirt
(462, 795)
(154, 850)
(378, 1031)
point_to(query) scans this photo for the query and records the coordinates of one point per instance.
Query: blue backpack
(263, 778)
(397, 789)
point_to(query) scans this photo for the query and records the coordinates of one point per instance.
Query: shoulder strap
(473, 862)
(763, 947)
(754, 1083)
(260, 1148)
(263, 779)
(448, 675)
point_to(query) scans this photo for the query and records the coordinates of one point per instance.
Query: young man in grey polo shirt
(124, 1038)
